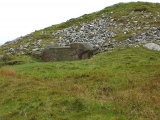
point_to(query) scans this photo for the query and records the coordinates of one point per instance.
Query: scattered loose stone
(101, 32)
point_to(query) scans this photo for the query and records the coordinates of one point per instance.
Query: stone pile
(95, 32)
(101, 32)
(151, 35)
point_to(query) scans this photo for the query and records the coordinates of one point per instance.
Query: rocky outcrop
(76, 51)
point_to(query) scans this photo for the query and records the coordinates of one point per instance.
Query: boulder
(152, 46)
(11, 50)
(76, 51)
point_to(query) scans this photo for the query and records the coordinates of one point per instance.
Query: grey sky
(19, 17)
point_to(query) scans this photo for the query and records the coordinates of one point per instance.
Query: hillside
(121, 82)
(122, 24)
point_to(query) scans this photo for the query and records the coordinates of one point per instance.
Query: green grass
(120, 84)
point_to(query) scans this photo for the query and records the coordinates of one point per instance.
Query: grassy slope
(122, 84)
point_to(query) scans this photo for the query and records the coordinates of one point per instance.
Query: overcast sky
(21, 17)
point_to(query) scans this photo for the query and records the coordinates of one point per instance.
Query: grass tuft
(6, 72)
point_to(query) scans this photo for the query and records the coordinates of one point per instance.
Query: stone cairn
(101, 32)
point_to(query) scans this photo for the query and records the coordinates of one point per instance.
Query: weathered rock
(11, 50)
(37, 51)
(26, 45)
(39, 42)
(152, 46)
(21, 47)
(76, 51)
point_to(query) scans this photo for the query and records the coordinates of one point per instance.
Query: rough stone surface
(152, 46)
(76, 51)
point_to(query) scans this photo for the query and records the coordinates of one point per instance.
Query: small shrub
(6, 72)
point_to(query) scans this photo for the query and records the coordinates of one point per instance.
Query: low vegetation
(121, 84)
